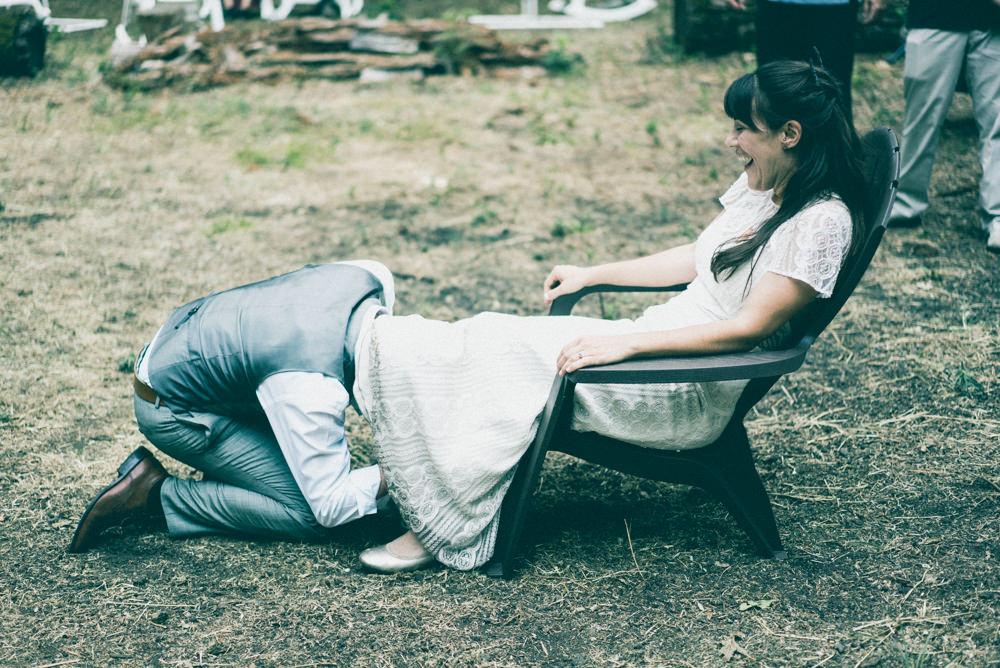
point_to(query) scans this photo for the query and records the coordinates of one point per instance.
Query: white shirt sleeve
(306, 413)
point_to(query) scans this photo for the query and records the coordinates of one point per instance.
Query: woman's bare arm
(771, 303)
(670, 267)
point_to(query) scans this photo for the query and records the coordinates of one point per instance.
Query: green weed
(654, 133)
(564, 228)
(391, 7)
(550, 188)
(454, 50)
(225, 225)
(127, 363)
(609, 310)
(75, 76)
(967, 385)
(562, 62)
(485, 217)
(442, 197)
(251, 159)
(702, 157)
(295, 157)
(546, 133)
(239, 107)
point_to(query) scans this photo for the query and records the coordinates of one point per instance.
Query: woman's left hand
(595, 350)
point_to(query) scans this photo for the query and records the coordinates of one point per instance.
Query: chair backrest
(881, 171)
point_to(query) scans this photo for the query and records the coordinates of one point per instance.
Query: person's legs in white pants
(933, 64)
(983, 63)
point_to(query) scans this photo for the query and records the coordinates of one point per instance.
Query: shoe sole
(126, 467)
(414, 565)
(375, 570)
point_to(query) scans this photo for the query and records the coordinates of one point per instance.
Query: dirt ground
(881, 454)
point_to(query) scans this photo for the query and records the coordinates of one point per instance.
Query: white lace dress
(453, 406)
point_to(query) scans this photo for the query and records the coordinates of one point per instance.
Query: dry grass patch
(881, 455)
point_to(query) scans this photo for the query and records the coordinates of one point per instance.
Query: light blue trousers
(247, 489)
(933, 63)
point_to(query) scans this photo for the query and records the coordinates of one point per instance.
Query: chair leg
(518, 498)
(515, 507)
(739, 487)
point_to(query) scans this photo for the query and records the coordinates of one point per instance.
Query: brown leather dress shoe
(126, 498)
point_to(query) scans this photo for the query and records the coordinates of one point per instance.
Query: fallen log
(280, 58)
(320, 40)
(316, 47)
(374, 42)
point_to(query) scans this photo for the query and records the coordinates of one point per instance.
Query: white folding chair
(573, 14)
(579, 9)
(270, 12)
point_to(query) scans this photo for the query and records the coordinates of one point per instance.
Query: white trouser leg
(933, 64)
(983, 61)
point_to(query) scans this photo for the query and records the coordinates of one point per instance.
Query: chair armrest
(564, 304)
(704, 368)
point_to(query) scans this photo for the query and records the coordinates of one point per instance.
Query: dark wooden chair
(725, 468)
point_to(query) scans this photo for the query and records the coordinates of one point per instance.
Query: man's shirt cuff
(365, 483)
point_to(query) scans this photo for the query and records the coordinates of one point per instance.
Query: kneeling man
(250, 386)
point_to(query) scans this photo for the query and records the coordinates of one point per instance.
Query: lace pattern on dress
(812, 246)
(449, 434)
(672, 416)
(459, 535)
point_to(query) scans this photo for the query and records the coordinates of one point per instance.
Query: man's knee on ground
(307, 527)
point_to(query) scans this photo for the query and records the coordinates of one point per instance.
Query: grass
(563, 228)
(880, 454)
(229, 224)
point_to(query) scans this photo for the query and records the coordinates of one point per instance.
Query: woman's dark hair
(828, 153)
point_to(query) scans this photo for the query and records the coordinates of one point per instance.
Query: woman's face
(768, 161)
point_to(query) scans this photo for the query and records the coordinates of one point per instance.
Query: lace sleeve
(811, 246)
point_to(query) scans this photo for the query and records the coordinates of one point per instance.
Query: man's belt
(143, 391)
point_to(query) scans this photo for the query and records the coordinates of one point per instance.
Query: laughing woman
(449, 433)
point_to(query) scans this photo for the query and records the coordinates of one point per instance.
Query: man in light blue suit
(250, 386)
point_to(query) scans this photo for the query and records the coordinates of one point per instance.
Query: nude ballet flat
(381, 560)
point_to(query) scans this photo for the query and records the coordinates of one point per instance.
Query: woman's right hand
(564, 279)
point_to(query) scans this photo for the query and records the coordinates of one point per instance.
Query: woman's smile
(765, 160)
